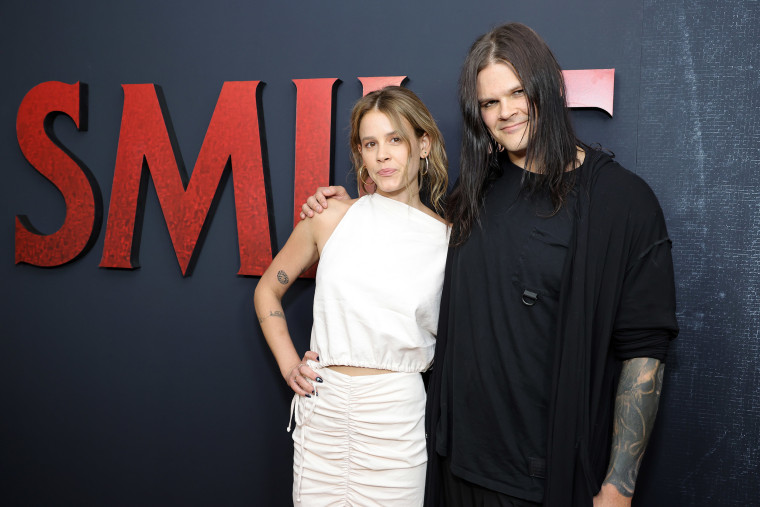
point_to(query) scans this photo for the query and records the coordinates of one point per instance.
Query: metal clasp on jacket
(529, 298)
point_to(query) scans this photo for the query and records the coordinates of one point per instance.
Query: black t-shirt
(498, 366)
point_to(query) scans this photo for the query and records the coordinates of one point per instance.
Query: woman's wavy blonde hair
(396, 103)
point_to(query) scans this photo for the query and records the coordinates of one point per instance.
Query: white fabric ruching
(361, 441)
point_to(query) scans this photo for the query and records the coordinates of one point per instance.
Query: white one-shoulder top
(378, 287)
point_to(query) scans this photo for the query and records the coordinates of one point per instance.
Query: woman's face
(391, 162)
(504, 109)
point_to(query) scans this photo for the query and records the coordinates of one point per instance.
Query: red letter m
(232, 143)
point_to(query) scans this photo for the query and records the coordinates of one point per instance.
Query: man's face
(504, 109)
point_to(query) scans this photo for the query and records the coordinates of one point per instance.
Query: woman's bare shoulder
(336, 209)
(325, 223)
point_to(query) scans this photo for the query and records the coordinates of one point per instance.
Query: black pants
(458, 492)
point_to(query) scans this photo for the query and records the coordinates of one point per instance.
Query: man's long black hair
(552, 147)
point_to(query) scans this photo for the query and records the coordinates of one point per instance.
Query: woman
(359, 400)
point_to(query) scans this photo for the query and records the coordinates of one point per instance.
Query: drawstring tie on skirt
(302, 416)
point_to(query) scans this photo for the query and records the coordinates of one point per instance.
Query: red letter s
(34, 129)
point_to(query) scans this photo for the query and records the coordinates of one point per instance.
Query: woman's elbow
(259, 296)
(264, 295)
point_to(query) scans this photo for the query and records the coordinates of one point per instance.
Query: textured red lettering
(314, 126)
(34, 129)
(593, 88)
(370, 84)
(232, 143)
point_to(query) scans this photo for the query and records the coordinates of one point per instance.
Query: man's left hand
(609, 496)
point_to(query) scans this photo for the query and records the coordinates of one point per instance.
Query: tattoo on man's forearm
(282, 277)
(272, 313)
(638, 396)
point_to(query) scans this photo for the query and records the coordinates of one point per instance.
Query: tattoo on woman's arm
(272, 313)
(282, 277)
(638, 396)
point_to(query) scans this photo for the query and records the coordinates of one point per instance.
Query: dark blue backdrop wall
(144, 387)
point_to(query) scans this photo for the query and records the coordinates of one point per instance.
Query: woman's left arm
(298, 254)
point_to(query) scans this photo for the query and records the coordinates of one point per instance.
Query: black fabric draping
(617, 302)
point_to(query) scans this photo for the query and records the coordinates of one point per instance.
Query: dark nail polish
(307, 395)
(317, 358)
(319, 379)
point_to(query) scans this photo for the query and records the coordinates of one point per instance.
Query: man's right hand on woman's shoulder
(318, 201)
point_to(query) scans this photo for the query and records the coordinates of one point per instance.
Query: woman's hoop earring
(364, 183)
(423, 172)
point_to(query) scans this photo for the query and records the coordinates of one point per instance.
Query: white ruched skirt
(360, 441)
